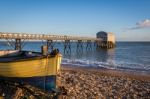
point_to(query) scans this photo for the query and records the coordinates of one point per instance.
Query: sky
(129, 20)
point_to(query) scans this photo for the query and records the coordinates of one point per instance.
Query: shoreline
(109, 72)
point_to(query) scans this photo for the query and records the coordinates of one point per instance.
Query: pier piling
(89, 45)
(17, 44)
(67, 46)
(79, 44)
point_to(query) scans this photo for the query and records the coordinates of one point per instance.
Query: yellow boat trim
(31, 68)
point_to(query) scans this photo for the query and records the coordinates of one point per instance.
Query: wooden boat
(32, 68)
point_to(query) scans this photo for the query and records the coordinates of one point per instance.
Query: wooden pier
(21, 37)
(5, 35)
(103, 40)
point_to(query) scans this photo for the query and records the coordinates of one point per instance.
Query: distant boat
(32, 68)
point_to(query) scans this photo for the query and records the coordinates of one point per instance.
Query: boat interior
(15, 55)
(19, 55)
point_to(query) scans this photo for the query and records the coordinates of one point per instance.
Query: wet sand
(95, 83)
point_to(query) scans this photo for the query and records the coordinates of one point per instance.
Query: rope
(10, 43)
(23, 43)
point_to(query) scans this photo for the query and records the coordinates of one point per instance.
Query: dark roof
(102, 32)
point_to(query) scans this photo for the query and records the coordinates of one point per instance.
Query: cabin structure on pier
(107, 39)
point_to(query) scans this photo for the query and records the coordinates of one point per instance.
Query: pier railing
(4, 35)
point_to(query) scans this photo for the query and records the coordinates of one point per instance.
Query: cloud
(141, 24)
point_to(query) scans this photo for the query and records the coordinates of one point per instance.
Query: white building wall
(111, 37)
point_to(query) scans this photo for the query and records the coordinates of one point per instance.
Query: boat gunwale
(30, 58)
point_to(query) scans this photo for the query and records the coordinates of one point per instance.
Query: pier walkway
(20, 37)
(4, 35)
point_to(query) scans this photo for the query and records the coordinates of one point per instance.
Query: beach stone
(3, 94)
(124, 97)
(83, 84)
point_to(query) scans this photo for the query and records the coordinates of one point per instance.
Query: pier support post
(79, 47)
(17, 44)
(67, 46)
(89, 45)
(50, 44)
(79, 44)
(107, 44)
(98, 44)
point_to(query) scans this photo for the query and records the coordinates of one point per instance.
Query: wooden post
(79, 49)
(50, 44)
(17, 44)
(89, 44)
(67, 46)
(79, 44)
(44, 50)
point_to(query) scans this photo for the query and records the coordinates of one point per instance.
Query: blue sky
(128, 19)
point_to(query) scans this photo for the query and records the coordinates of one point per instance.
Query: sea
(126, 56)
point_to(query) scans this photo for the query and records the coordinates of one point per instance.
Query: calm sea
(127, 56)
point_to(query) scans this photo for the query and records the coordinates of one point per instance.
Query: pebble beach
(85, 83)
